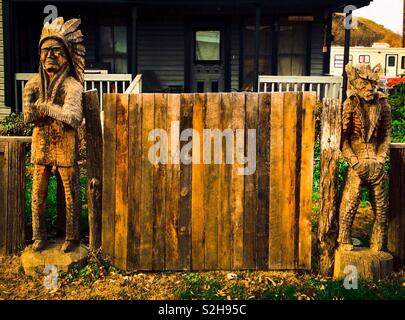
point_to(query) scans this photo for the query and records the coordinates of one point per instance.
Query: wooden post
(328, 215)
(94, 153)
(396, 218)
(12, 194)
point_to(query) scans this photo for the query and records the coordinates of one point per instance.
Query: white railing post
(324, 86)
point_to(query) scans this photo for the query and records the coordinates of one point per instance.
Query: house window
(249, 51)
(292, 48)
(339, 60)
(208, 45)
(113, 45)
(364, 58)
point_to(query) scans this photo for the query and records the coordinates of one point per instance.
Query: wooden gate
(179, 216)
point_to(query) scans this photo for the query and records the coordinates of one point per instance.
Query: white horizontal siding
(316, 47)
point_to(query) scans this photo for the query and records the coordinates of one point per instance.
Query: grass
(212, 287)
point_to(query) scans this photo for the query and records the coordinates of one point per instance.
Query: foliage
(87, 275)
(51, 205)
(366, 33)
(397, 102)
(197, 286)
(326, 289)
(13, 125)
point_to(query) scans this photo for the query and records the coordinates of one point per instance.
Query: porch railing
(324, 86)
(104, 83)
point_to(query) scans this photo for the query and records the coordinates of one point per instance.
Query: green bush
(397, 102)
(13, 125)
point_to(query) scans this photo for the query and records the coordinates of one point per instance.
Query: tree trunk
(331, 124)
(363, 262)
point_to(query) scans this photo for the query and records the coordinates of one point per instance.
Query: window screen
(292, 48)
(249, 50)
(208, 45)
(113, 45)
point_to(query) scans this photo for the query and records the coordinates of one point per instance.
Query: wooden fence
(12, 194)
(396, 220)
(196, 216)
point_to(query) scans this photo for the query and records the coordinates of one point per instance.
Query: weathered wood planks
(396, 217)
(12, 194)
(201, 213)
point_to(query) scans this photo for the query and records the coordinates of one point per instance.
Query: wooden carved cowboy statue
(365, 143)
(53, 102)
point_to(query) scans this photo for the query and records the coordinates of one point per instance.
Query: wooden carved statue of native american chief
(53, 102)
(365, 143)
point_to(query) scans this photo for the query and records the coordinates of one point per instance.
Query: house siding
(317, 36)
(4, 110)
(161, 53)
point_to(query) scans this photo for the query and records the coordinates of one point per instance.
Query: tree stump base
(34, 263)
(370, 264)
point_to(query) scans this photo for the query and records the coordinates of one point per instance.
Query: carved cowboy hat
(71, 38)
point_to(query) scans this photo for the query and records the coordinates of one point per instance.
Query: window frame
(364, 56)
(221, 39)
(111, 23)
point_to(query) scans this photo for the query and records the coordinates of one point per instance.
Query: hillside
(366, 33)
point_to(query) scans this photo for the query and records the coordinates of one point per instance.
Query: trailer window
(364, 58)
(391, 61)
(339, 60)
(403, 62)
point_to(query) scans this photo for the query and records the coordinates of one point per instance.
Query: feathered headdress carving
(72, 38)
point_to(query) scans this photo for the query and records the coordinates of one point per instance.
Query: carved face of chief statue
(53, 57)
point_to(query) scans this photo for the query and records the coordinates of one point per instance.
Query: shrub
(397, 102)
(13, 125)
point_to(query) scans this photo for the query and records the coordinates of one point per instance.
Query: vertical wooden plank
(276, 181)
(94, 161)
(186, 122)
(109, 146)
(225, 181)
(173, 183)
(12, 199)
(238, 180)
(121, 183)
(307, 166)
(211, 183)
(197, 202)
(331, 124)
(289, 176)
(159, 181)
(251, 190)
(396, 216)
(135, 177)
(146, 243)
(3, 195)
(262, 216)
